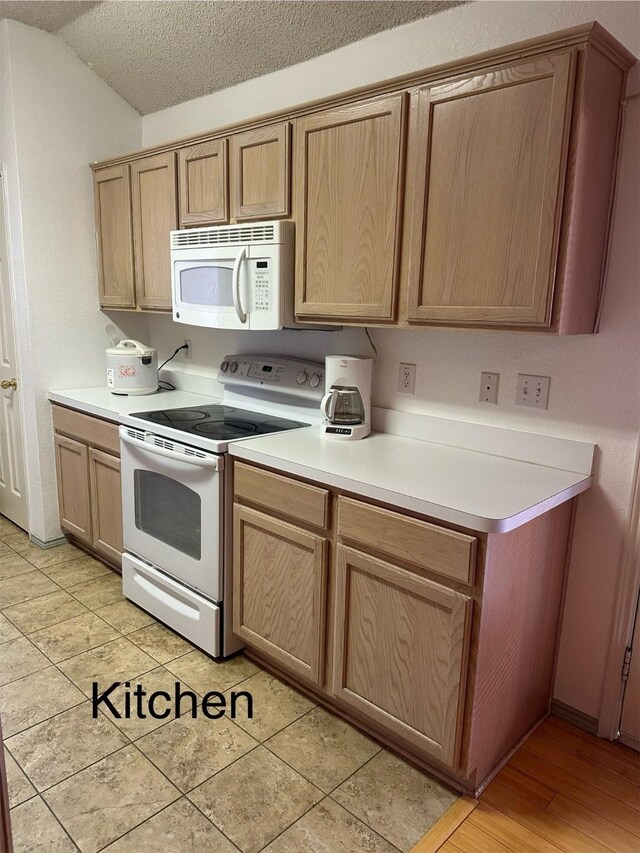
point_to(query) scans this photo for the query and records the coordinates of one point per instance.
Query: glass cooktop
(219, 422)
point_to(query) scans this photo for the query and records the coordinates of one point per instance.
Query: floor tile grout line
(59, 822)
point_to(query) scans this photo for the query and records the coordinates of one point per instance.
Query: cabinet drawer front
(301, 501)
(90, 430)
(279, 591)
(425, 545)
(400, 652)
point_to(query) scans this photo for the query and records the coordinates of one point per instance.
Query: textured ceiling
(156, 54)
(47, 15)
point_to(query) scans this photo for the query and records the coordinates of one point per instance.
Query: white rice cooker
(132, 368)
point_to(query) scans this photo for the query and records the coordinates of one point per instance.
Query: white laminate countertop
(485, 478)
(466, 487)
(113, 407)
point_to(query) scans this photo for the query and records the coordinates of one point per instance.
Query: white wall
(594, 388)
(58, 116)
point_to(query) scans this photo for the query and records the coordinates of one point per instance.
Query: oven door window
(168, 511)
(207, 285)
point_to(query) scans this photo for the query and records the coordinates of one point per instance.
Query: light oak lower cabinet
(72, 459)
(89, 490)
(280, 581)
(106, 504)
(400, 650)
(438, 641)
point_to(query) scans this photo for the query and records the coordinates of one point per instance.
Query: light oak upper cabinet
(488, 154)
(155, 214)
(112, 200)
(279, 590)
(203, 184)
(72, 462)
(261, 172)
(400, 644)
(348, 177)
(106, 504)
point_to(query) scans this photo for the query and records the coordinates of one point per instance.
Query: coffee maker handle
(328, 404)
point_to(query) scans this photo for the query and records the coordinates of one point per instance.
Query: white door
(13, 497)
(630, 720)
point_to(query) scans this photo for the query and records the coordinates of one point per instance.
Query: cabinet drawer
(90, 430)
(301, 501)
(425, 545)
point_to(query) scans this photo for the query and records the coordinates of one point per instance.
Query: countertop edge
(461, 518)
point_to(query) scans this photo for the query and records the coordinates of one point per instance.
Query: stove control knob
(315, 380)
(302, 377)
(233, 366)
(224, 366)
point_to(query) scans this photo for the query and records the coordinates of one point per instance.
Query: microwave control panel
(262, 276)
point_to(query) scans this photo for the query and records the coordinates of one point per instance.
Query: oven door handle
(202, 462)
(235, 282)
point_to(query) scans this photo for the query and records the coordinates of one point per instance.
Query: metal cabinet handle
(8, 383)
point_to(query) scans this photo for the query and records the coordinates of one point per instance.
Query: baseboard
(48, 543)
(629, 741)
(572, 715)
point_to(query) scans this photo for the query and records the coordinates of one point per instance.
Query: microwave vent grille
(227, 235)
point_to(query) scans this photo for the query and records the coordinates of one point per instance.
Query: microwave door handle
(237, 304)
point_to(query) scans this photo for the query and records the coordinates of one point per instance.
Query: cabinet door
(349, 164)
(279, 591)
(112, 201)
(155, 215)
(106, 504)
(72, 461)
(260, 172)
(400, 652)
(203, 184)
(490, 156)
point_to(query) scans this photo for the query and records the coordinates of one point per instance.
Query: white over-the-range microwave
(233, 276)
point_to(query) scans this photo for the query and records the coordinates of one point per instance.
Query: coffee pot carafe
(347, 403)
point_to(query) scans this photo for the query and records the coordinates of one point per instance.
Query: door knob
(8, 383)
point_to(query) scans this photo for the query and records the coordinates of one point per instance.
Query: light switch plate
(489, 387)
(533, 391)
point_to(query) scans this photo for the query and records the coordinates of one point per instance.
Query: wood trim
(313, 670)
(86, 428)
(420, 543)
(105, 508)
(293, 498)
(125, 250)
(561, 68)
(446, 826)
(215, 148)
(456, 603)
(279, 134)
(6, 840)
(578, 36)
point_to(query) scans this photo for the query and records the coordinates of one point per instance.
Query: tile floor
(294, 778)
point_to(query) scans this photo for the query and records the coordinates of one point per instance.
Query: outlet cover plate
(533, 391)
(489, 387)
(407, 378)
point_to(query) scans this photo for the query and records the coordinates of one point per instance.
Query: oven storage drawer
(188, 613)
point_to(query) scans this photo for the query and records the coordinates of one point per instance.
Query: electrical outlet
(489, 387)
(407, 378)
(533, 391)
(187, 352)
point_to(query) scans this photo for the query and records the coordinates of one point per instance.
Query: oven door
(172, 508)
(211, 287)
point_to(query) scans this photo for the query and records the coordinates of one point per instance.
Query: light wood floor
(564, 791)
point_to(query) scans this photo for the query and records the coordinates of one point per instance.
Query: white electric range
(177, 499)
